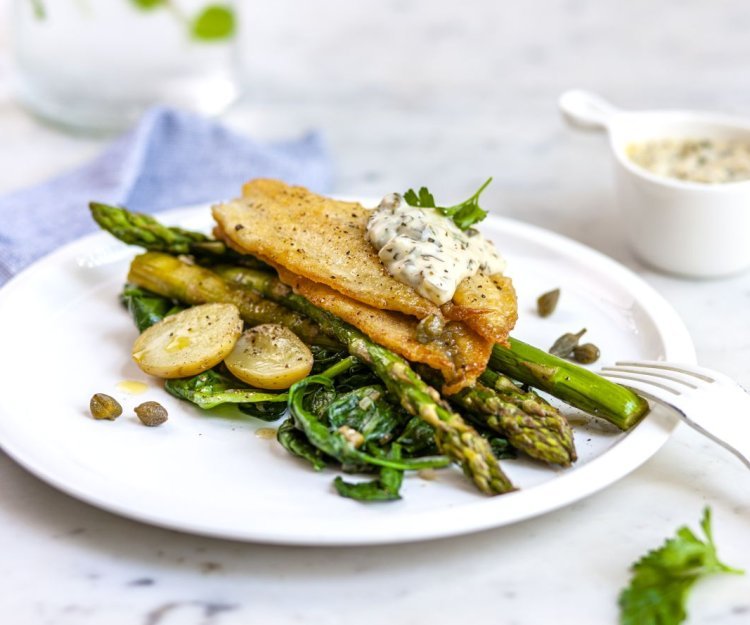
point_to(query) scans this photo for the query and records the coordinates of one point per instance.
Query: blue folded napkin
(170, 159)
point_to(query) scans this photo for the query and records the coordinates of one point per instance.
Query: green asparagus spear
(171, 277)
(418, 438)
(572, 384)
(530, 424)
(532, 404)
(545, 438)
(454, 436)
(147, 232)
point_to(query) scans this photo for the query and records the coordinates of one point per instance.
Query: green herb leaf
(464, 215)
(324, 357)
(418, 438)
(263, 410)
(385, 488)
(214, 23)
(662, 579)
(147, 5)
(40, 12)
(424, 199)
(501, 448)
(366, 410)
(296, 443)
(210, 389)
(146, 308)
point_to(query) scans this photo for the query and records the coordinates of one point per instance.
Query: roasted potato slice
(270, 356)
(189, 342)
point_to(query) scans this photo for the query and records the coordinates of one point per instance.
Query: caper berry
(586, 353)
(564, 346)
(547, 302)
(104, 407)
(430, 328)
(151, 413)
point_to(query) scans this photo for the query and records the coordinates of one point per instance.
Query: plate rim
(678, 346)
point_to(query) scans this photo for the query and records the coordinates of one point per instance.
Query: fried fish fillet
(325, 241)
(317, 238)
(487, 304)
(460, 354)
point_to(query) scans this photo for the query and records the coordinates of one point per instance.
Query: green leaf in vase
(147, 5)
(214, 23)
(40, 12)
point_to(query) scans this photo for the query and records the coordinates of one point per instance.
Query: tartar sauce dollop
(426, 250)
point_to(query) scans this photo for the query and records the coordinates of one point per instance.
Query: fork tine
(657, 380)
(655, 372)
(693, 370)
(642, 383)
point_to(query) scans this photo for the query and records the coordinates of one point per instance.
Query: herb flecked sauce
(695, 160)
(426, 250)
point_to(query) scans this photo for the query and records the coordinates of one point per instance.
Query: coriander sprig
(464, 214)
(662, 579)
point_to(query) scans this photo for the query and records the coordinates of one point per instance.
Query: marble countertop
(419, 92)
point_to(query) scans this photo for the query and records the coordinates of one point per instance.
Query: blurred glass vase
(96, 65)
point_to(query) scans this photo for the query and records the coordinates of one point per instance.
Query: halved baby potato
(189, 342)
(270, 356)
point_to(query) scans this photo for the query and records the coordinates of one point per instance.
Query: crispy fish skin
(318, 238)
(459, 354)
(487, 304)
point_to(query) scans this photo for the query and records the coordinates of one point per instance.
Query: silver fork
(708, 401)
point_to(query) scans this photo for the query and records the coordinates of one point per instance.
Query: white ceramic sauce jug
(688, 228)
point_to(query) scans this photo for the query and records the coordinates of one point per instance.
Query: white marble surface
(443, 94)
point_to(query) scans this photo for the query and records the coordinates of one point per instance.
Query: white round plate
(64, 336)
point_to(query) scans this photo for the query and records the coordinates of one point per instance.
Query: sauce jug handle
(586, 110)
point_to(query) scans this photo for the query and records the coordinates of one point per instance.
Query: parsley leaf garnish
(464, 215)
(663, 578)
